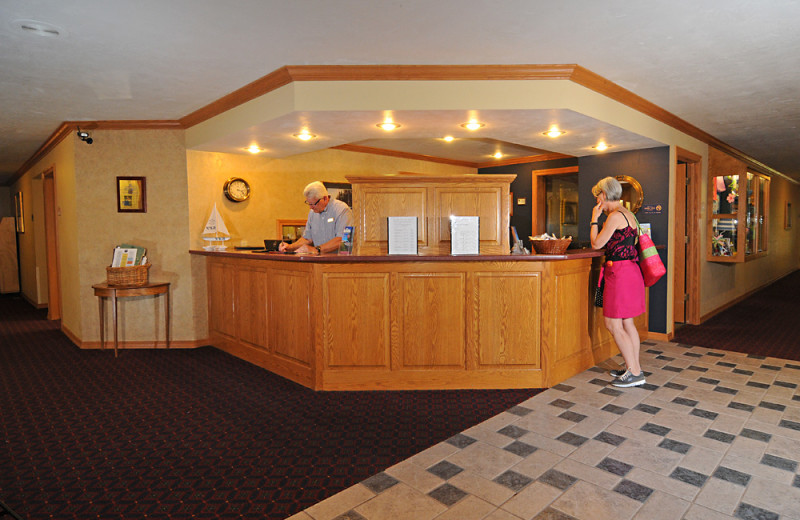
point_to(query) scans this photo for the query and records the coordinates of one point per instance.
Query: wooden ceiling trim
(403, 155)
(524, 160)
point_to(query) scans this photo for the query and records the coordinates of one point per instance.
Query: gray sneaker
(628, 379)
(618, 373)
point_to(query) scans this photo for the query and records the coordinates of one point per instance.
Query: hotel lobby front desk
(409, 322)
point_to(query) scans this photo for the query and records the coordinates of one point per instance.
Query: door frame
(690, 191)
(51, 247)
(539, 194)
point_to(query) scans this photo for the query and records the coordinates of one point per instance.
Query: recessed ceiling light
(449, 138)
(254, 149)
(305, 135)
(472, 124)
(554, 132)
(38, 28)
(388, 125)
(498, 155)
(601, 146)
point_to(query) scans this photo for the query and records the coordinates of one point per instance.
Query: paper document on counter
(402, 235)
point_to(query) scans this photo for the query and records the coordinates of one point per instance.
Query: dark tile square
(656, 429)
(731, 475)
(649, 343)
(756, 356)
(709, 381)
(755, 435)
(614, 466)
(755, 384)
(572, 416)
(789, 424)
(380, 482)
(743, 372)
(564, 388)
(610, 391)
(726, 390)
(715, 354)
(692, 354)
(597, 370)
(796, 481)
(562, 403)
(688, 476)
(520, 448)
(697, 369)
(552, 514)
(619, 410)
(772, 406)
(770, 367)
(677, 447)
(515, 432)
(789, 365)
(675, 386)
(599, 382)
(748, 512)
(725, 364)
(447, 494)
(705, 414)
(654, 351)
(557, 479)
(796, 398)
(572, 439)
(633, 490)
(685, 402)
(609, 438)
(460, 440)
(445, 470)
(520, 411)
(646, 408)
(350, 515)
(785, 384)
(665, 358)
(719, 436)
(779, 462)
(672, 369)
(741, 406)
(647, 386)
(513, 480)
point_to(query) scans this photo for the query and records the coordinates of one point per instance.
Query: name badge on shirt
(330, 219)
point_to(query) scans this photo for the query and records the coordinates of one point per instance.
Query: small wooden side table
(103, 290)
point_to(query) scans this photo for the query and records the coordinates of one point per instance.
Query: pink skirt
(623, 295)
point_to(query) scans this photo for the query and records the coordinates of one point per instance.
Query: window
(738, 217)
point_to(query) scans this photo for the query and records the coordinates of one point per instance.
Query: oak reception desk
(409, 322)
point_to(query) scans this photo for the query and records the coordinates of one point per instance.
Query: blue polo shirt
(322, 227)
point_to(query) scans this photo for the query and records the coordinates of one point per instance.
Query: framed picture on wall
(131, 195)
(787, 216)
(19, 212)
(569, 213)
(340, 191)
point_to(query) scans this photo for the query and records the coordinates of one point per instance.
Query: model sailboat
(215, 232)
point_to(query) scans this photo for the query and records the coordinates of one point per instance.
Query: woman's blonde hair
(610, 186)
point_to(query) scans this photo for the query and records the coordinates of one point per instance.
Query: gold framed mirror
(632, 194)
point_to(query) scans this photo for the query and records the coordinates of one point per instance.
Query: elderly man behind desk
(327, 219)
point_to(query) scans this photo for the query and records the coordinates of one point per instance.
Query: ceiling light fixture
(45, 29)
(388, 125)
(498, 155)
(554, 132)
(472, 124)
(254, 149)
(601, 146)
(449, 138)
(305, 135)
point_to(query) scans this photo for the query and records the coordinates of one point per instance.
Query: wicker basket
(550, 247)
(135, 275)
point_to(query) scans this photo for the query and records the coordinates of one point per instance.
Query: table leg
(166, 320)
(102, 323)
(114, 302)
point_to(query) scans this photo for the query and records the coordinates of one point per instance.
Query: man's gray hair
(315, 191)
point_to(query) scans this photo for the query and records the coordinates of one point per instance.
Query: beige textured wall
(277, 186)
(160, 157)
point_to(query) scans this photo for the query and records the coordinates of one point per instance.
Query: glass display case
(737, 223)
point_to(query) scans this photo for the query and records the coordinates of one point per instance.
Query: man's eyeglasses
(312, 204)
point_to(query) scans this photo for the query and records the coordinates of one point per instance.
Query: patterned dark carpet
(763, 324)
(193, 433)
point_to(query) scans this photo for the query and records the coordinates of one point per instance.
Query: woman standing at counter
(623, 295)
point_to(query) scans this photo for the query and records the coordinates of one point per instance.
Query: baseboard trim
(128, 345)
(31, 302)
(659, 336)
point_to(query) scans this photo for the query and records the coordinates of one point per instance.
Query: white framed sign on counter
(402, 235)
(464, 235)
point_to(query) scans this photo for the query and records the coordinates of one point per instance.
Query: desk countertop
(570, 254)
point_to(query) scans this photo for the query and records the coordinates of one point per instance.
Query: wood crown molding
(288, 74)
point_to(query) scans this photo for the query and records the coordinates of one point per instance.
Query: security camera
(84, 136)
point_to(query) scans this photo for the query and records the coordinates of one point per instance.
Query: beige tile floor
(712, 435)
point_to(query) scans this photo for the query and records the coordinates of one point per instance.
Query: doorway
(686, 252)
(51, 239)
(554, 193)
